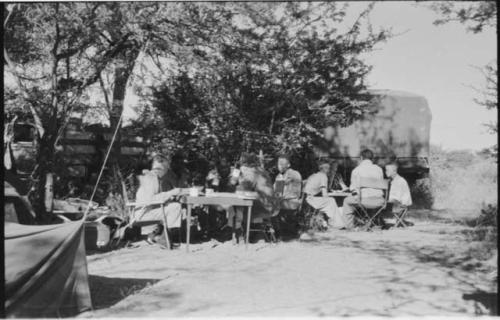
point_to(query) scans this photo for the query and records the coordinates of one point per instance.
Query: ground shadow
(406, 253)
(488, 299)
(106, 292)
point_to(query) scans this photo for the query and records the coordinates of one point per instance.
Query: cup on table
(209, 191)
(235, 173)
(193, 192)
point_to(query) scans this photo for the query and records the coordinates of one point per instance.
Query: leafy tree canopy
(277, 76)
(476, 15)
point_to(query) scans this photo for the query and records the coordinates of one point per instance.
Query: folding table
(218, 200)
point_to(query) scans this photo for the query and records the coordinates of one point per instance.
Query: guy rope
(103, 165)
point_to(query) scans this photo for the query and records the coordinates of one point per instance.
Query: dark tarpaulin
(45, 270)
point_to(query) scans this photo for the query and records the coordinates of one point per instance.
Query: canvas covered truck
(82, 150)
(397, 128)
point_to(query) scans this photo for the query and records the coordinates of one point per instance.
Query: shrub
(463, 182)
(488, 216)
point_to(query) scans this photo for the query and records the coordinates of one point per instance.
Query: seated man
(370, 197)
(253, 178)
(288, 185)
(399, 194)
(287, 188)
(317, 195)
(150, 190)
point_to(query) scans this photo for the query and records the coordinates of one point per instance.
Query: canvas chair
(134, 205)
(367, 214)
(310, 217)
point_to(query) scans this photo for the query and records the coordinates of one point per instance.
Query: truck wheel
(421, 192)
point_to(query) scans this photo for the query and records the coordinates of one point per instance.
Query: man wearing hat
(151, 189)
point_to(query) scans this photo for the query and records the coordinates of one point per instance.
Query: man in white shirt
(288, 184)
(317, 195)
(370, 197)
(287, 188)
(150, 190)
(399, 194)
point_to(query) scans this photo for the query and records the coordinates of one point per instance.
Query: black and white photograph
(171, 159)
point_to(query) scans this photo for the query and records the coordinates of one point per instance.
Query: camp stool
(399, 216)
(367, 214)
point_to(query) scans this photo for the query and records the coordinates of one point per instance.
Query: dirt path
(387, 273)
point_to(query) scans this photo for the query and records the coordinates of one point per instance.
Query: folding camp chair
(368, 213)
(310, 217)
(134, 205)
(399, 215)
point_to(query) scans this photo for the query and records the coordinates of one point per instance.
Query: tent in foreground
(45, 267)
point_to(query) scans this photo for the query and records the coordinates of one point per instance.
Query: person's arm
(393, 192)
(234, 176)
(342, 184)
(324, 185)
(296, 185)
(355, 181)
(166, 195)
(406, 195)
(266, 194)
(278, 178)
(380, 173)
(293, 185)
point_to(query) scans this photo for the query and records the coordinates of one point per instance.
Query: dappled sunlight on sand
(395, 272)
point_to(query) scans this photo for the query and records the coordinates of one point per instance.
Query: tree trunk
(46, 156)
(124, 67)
(123, 71)
(45, 161)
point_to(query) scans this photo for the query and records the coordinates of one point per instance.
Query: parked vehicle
(82, 147)
(396, 128)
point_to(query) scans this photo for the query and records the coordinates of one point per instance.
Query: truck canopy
(396, 127)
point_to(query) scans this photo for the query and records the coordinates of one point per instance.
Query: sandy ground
(397, 272)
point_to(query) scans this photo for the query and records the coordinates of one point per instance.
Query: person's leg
(329, 207)
(277, 222)
(212, 225)
(238, 220)
(239, 217)
(230, 216)
(150, 215)
(174, 216)
(324, 204)
(348, 211)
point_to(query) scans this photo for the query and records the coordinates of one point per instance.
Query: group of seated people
(167, 176)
